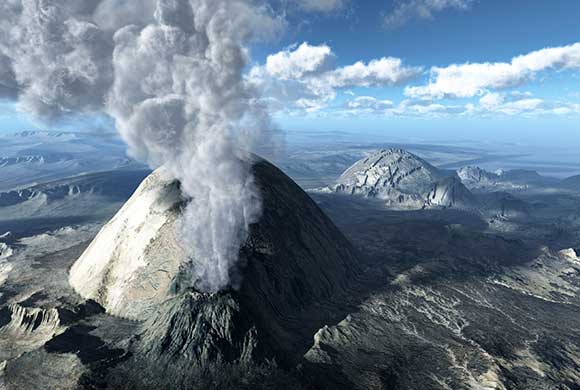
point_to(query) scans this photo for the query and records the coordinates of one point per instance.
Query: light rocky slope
(130, 265)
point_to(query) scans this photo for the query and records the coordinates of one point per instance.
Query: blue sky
(540, 106)
(368, 67)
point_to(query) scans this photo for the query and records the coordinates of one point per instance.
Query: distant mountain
(394, 175)
(405, 181)
(478, 179)
(475, 177)
(572, 183)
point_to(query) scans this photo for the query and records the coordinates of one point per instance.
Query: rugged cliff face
(296, 266)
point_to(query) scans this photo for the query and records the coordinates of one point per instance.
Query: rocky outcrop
(23, 329)
(450, 192)
(5, 251)
(475, 177)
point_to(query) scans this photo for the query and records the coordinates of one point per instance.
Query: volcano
(296, 270)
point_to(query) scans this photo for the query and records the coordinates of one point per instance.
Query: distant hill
(478, 179)
(572, 183)
(394, 175)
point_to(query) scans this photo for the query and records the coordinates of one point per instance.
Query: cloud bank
(307, 77)
(473, 79)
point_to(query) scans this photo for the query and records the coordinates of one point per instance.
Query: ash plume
(170, 72)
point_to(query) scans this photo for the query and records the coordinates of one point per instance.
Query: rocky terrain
(299, 274)
(473, 287)
(30, 158)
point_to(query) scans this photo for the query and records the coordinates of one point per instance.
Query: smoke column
(170, 72)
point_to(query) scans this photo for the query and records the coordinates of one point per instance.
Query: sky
(436, 70)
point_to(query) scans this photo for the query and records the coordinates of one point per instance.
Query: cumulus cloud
(170, 73)
(474, 79)
(404, 11)
(369, 102)
(298, 62)
(369, 105)
(510, 104)
(386, 71)
(423, 108)
(307, 77)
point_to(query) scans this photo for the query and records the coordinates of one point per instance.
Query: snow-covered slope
(396, 176)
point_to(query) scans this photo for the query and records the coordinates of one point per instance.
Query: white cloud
(423, 108)
(518, 103)
(567, 109)
(306, 76)
(301, 61)
(369, 105)
(492, 104)
(420, 9)
(369, 102)
(469, 80)
(378, 72)
(323, 6)
(492, 100)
